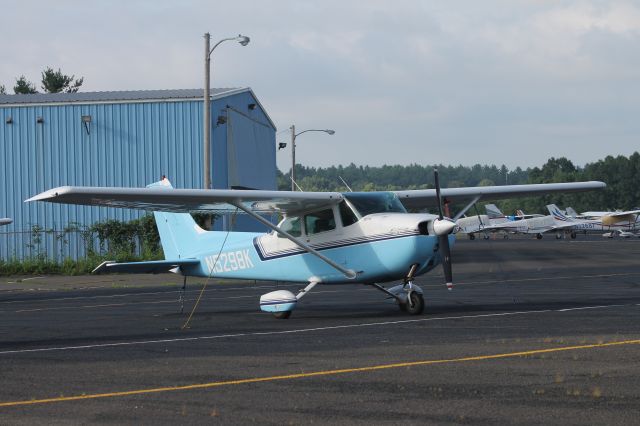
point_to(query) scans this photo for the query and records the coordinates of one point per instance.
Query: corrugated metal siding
(127, 145)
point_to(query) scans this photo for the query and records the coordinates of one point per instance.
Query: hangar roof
(119, 96)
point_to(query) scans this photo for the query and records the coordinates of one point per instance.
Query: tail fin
(571, 212)
(178, 231)
(557, 214)
(493, 211)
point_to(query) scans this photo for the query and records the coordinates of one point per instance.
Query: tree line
(621, 174)
(52, 82)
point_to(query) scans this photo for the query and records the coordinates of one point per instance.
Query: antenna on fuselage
(345, 184)
(296, 184)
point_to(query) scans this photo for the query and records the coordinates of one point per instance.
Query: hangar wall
(133, 139)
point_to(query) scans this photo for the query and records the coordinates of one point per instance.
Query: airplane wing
(427, 197)
(610, 214)
(257, 201)
(190, 200)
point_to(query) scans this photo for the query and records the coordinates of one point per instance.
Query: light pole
(207, 101)
(294, 135)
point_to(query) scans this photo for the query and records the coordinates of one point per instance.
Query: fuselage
(380, 247)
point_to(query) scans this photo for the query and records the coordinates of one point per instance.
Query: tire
(418, 304)
(282, 315)
(472, 237)
(573, 235)
(539, 236)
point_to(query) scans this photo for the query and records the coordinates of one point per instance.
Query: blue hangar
(125, 138)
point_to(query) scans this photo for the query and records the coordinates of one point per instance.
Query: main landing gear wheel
(415, 303)
(538, 236)
(282, 315)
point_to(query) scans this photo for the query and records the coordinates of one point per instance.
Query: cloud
(504, 81)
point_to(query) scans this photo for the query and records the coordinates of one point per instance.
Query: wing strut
(467, 207)
(349, 273)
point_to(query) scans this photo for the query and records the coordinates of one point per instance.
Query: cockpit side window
(346, 214)
(291, 225)
(321, 221)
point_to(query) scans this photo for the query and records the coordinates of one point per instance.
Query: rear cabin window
(321, 221)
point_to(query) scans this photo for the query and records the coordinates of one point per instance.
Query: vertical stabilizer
(493, 211)
(178, 231)
(557, 214)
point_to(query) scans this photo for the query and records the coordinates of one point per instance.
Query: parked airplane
(483, 223)
(325, 237)
(629, 218)
(529, 224)
(620, 228)
(5, 221)
(495, 221)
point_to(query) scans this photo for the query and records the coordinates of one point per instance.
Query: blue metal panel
(127, 144)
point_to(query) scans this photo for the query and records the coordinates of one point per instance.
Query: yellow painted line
(313, 374)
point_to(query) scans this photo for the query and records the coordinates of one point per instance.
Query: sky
(509, 82)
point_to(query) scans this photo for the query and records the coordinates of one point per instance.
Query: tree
(56, 82)
(24, 87)
(3, 91)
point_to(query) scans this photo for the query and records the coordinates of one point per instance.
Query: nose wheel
(414, 304)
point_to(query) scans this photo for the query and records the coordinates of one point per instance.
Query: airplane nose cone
(443, 227)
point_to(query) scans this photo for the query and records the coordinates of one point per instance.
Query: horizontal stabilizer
(150, 267)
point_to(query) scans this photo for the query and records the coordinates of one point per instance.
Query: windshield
(374, 202)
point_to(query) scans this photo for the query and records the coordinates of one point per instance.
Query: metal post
(293, 157)
(207, 114)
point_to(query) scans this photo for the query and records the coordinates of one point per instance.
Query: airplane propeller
(442, 228)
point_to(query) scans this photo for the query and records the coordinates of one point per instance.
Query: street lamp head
(243, 40)
(331, 132)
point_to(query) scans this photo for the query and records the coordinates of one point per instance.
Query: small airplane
(495, 221)
(5, 221)
(323, 238)
(572, 224)
(629, 218)
(483, 223)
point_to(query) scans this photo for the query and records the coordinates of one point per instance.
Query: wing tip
(49, 194)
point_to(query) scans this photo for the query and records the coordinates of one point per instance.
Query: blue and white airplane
(324, 237)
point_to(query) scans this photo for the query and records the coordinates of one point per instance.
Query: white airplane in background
(482, 223)
(629, 218)
(324, 237)
(5, 221)
(535, 223)
(610, 227)
(494, 221)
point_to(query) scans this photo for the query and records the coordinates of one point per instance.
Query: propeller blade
(443, 238)
(435, 174)
(445, 255)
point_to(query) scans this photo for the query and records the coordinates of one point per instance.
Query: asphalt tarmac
(534, 332)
